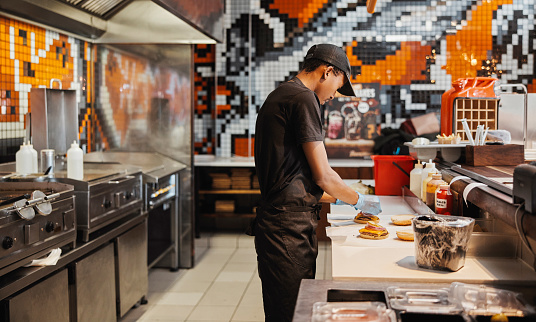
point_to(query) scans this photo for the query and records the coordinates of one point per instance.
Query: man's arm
(325, 177)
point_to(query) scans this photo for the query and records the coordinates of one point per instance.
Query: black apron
(287, 247)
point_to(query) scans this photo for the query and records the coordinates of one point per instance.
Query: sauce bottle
(431, 187)
(425, 184)
(443, 203)
(75, 162)
(430, 167)
(415, 179)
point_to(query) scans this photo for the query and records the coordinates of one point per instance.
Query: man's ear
(327, 70)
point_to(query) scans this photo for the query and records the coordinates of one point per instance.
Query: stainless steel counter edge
(214, 161)
(312, 291)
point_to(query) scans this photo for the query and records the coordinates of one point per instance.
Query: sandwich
(363, 218)
(373, 231)
(402, 220)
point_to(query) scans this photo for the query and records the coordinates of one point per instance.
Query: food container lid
(442, 220)
(352, 311)
(422, 300)
(485, 300)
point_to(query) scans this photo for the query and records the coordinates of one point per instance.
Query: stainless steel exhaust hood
(110, 21)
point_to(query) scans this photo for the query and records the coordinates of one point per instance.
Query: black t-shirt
(289, 117)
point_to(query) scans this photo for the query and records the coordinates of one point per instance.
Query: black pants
(287, 248)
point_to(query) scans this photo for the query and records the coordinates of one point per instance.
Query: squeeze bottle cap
(418, 165)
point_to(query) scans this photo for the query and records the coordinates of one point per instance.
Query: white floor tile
(212, 313)
(176, 298)
(167, 313)
(223, 285)
(234, 277)
(224, 293)
(249, 314)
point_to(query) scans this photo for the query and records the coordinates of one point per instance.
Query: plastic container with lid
(415, 179)
(431, 187)
(422, 300)
(75, 162)
(441, 241)
(443, 200)
(352, 311)
(23, 160)
(485, 300)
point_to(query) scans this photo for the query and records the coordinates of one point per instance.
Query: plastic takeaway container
(391, 172)
(441, 241)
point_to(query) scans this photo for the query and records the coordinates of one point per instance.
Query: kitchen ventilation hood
(110, 21)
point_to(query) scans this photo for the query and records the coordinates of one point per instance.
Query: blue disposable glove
(368, 204)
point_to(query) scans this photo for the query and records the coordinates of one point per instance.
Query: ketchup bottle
(443, 200)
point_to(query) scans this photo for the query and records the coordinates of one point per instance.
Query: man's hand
(366, 203)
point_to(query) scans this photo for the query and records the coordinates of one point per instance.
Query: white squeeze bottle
(415, 179)
(23, 160)
(75, 162)
(34, 158)
(430, 166)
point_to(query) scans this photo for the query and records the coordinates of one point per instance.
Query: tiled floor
(223, 285)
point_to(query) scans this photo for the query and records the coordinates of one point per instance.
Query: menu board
(353, 122)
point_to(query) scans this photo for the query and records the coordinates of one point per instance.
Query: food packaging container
(483, 300)
(441, 241)
(352, 311)
(422, 300)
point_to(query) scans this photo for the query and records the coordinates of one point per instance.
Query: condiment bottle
(431, 187)
(34, 158)
(443, 202)
(430, 167)
(424, 185)
(415, 179)
(75, 162)
(23, 160)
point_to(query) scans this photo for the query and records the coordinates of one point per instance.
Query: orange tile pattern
(32, 56)
(302, 10)
(412, 51)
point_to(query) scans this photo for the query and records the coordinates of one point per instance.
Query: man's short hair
(310, 65)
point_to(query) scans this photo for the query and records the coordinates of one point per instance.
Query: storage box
(483, 155)
(391, 172)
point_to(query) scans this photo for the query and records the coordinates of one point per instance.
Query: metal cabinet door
(131, 267)
(94, 278)
(47, 301)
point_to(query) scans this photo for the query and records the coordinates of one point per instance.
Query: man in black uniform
(295, 177)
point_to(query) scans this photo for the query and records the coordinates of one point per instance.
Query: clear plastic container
(352, 311)
(441, 241)
(422, 300)
(485, 300)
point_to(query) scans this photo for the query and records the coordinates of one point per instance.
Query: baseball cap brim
(347, 88)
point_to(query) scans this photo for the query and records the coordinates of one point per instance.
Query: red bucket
(391, 172)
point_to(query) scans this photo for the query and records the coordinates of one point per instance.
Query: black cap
(335, 56)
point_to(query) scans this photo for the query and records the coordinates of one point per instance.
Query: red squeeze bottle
(443, 202)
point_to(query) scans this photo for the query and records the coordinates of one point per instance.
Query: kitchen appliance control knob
(49, 227)
(7, 243)
(128, 195)
(107, 203)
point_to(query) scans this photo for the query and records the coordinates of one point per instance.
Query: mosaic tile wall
(135, 102)
(144, 104)
(31, 56)
(412, 49)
